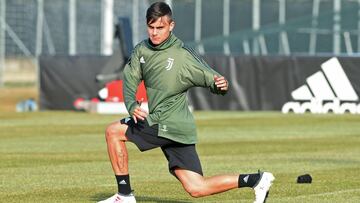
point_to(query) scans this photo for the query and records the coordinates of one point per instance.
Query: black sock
(248, 180)
(123, 182)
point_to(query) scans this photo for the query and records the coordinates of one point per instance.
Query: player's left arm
(199, 73)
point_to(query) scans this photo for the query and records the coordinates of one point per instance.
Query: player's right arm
(132, 79)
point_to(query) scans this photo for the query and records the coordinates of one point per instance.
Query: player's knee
(109, 133)
(113, 132)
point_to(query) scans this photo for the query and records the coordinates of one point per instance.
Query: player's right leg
(115, 135)
(143, 136)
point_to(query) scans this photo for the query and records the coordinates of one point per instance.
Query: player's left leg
(198, 186)
(185, 165)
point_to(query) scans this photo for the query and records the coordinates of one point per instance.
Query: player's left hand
(221, 83)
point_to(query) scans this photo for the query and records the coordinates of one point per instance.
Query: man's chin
(155, 42)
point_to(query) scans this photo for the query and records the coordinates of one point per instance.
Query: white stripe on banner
(338, 80)
(302, 93)
(320, 87)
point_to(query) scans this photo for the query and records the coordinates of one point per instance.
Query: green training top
(168, 70)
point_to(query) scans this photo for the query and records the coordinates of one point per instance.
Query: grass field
(61, 157)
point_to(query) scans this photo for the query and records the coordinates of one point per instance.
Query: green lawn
(61, 157)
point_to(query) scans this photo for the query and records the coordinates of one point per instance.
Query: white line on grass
(323, 194)
(107, 185)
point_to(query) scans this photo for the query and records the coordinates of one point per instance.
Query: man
(169, 69)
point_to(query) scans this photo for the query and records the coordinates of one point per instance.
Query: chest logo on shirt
(170, 63)
(142, 60)
(164, 128)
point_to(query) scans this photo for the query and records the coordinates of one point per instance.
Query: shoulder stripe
(135, 50)
(196, 56)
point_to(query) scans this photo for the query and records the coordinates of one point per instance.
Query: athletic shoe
(118, 198)
(263, 186)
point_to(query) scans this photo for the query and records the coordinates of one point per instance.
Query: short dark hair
(158, 10)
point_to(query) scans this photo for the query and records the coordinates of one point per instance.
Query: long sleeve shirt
(168, 71)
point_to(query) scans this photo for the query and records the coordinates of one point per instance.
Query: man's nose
(155, 31)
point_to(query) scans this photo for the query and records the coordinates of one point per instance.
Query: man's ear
(172, 25)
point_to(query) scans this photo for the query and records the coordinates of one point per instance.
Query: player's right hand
(139, 113)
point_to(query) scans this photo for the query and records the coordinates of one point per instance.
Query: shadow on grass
(102, 196)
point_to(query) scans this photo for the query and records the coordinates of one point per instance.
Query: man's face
(160, 29)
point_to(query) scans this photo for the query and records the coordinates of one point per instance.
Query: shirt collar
(171, 40)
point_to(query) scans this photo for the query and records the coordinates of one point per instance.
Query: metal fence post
(256, 25)
(107, 27)
(314, 25)
(226, 26)
(135, 21)
(337, 27)
(39, 27)
(72, 27)
(2, 40)
(284, 47)
(197, 29)
(358, 27)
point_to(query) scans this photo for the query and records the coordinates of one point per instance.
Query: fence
(268, 27)
(29, 28)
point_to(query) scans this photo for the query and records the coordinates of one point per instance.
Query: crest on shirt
(170, 63)
(142, 60)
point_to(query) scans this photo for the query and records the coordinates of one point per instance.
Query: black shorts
(146, 137)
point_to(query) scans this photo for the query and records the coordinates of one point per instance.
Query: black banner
(256, 82)
(265, 82)
(63, 79)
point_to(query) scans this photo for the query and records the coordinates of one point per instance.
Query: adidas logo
(142, 60)
(328, 90)
(123, 182)
(246, 178)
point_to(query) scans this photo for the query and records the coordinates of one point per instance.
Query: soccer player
(168, 69)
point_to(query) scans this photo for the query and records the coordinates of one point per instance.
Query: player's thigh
(116, 130)
(182, 156)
